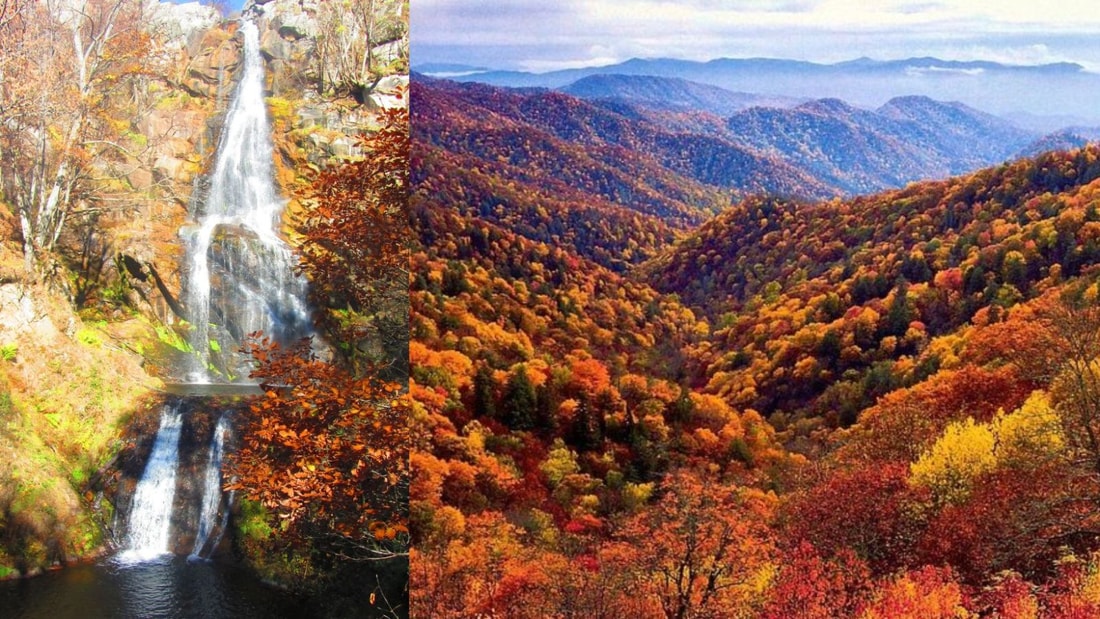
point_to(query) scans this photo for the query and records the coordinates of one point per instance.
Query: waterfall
(151, 510)
(239, 279)
(212, 494)
(240, 275)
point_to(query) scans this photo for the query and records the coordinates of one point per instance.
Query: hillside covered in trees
(882, 406)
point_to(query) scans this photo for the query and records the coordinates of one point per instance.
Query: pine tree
(484, 392)
(547, 400)
(899, 314)
(586, 432)
(519, 403)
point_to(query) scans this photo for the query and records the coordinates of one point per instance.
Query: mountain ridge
(670, 92)
(817, 149)
(1043, 89)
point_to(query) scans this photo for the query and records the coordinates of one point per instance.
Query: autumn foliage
(876, 407)
(356, 231)
(355, 238)
(63, 146)
(326, 450)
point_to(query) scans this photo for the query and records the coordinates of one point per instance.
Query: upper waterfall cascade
(240, 275)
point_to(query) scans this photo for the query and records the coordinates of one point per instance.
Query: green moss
(88, 536)
(89, 337)
(173, 339)
(281, 109)
(137, 139)
(253, 521)
(174, 101)
(7, 406)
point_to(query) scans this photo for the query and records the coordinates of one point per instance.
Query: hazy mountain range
(672, 93)
(1064, 91)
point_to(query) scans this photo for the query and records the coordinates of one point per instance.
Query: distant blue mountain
(1062, 88)
(671, 94)
(818, 148)
(1066, 139)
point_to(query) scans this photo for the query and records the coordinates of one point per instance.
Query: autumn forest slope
(850, 298)
(841, 408)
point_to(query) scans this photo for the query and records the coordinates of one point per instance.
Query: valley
(853, 380)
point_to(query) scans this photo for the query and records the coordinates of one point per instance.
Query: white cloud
(540, 35)
(922, 71)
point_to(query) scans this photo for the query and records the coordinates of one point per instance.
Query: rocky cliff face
(334, 47)
(178, 133)
(317, 119)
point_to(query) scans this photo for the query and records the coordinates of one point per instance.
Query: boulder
(387, 102)
(185, 23)
(391, 84)
(140, 178)
(343, 147)
(167, 167)
(388, 52)
(273, 46)
(295, 26)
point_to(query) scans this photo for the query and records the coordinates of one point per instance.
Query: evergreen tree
(898, 316)
(547, 400)
(585, 431)
(484, 392)
(519, 403)
(681, 410)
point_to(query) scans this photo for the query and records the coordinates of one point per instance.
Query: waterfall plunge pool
(177, 499)
(166, 587)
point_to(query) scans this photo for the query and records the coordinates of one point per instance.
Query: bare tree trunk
(364, 73)
(29, 259)
(48, 217)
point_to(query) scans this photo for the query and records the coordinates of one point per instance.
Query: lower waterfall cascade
(179, 494)
(151, 509)
(214, 501)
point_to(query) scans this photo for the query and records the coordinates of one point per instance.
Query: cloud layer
(537, 35)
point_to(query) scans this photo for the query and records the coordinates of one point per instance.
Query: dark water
(212, 389)
(169, 587)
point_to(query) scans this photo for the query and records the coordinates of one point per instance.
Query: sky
(234, 5)
(545, 35)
